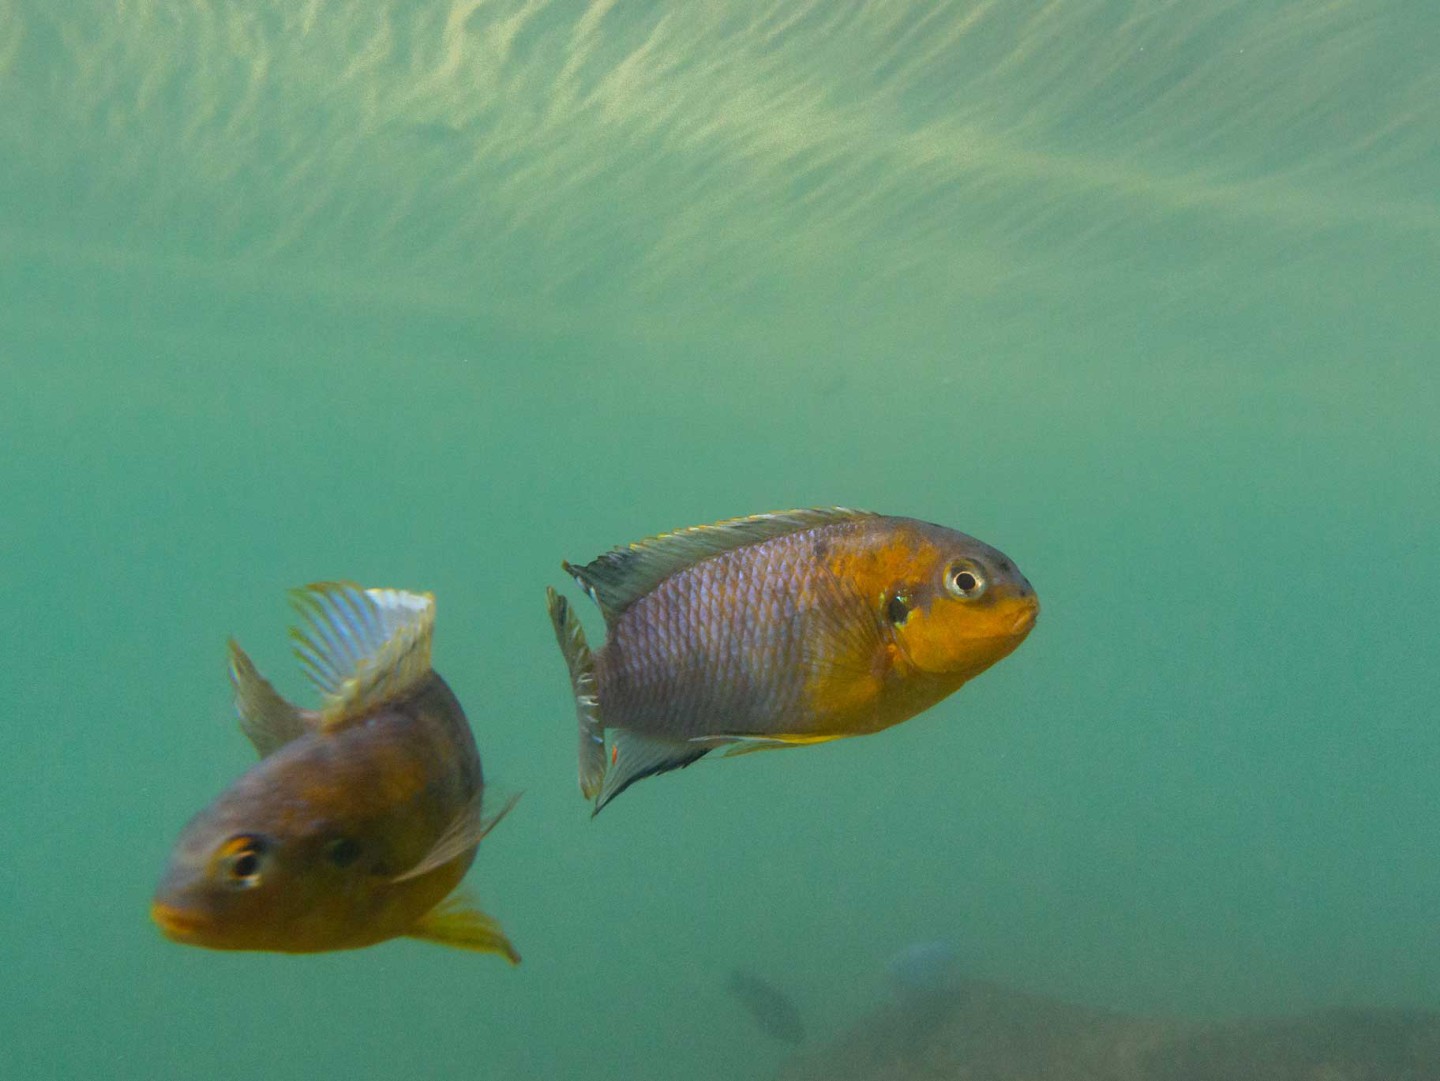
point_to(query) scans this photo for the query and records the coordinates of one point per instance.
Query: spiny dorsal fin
(464, 833)
(268, 720)
(363, 648)
(623, 575)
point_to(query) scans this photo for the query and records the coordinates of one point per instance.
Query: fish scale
(734, 669)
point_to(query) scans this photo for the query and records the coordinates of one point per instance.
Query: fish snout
(1028, 613)
(177, 924)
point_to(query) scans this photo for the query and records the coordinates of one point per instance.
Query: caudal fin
(578, 658)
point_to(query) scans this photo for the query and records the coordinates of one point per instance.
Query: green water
(433, 296)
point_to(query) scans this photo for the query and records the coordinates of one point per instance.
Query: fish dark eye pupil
(897, 610)
(343, 852)
(963, 582)
(244, 857)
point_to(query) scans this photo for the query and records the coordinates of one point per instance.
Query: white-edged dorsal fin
(464, 832)
(623, 575)
(363, 648)
(267, 719)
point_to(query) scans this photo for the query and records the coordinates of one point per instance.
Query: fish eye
(343, 851)
(243, 858)
(964, 580)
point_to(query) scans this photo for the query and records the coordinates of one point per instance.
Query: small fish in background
(361, 818)
(926, 982)
(778, 630)
(924, 970)
(773, 1011)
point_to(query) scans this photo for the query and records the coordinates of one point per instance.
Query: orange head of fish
(960, 606)
(293, 863)
(954, 605)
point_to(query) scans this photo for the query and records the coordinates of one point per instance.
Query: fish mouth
(1025, 620)
(177, 924)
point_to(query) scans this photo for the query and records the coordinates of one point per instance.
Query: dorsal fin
(363, 648)
(266, 718)
(623, 575)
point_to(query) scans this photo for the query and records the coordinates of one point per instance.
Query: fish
(924, 970)
(777, 630)
(773, 1011)
(361, 817)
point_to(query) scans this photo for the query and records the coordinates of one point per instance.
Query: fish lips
(178, 924)
(182, 907)
(1025, 619)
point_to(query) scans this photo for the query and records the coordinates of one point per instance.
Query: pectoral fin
(456, 922)
(463, 834)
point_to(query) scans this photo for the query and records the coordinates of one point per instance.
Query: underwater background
(434, 294)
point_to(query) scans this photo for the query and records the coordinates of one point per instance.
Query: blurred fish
(361, 818)
(922, 970)
(772, 1010)
(778, 630)
(926, 980)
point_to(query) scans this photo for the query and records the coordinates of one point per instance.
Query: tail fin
(571, 636)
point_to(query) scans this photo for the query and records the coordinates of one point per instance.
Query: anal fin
(456, 922)
(634, 757)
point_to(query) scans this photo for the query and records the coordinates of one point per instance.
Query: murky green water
(433, 295)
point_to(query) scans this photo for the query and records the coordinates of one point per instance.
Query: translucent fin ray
(636, 757)
(362, 648)
(622, 575)
(735, 745)
(457, 922)
(267, 719)
(464, 832)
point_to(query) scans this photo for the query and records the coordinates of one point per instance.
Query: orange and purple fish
(778, 630)
(361, 818)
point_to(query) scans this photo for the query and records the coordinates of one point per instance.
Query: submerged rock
(983, 1031)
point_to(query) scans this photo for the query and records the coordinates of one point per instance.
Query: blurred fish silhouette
(772, 1010)
(778, 630)
(923, 970)
(361, 818)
